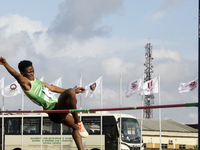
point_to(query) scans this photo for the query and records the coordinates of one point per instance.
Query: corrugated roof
(166, 125)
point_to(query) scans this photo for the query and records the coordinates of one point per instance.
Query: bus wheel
(17, 149)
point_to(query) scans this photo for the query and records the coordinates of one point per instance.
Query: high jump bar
(102, 109)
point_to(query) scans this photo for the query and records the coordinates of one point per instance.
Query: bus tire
(17, 148)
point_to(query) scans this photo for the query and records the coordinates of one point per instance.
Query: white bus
(39, 133)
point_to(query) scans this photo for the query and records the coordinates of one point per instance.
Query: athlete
(41, 94)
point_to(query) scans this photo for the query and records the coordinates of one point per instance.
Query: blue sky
(94, 38)
(43, 11)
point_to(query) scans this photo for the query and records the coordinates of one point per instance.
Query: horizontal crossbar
(102, 109)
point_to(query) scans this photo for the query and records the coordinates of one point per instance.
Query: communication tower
(148, 99)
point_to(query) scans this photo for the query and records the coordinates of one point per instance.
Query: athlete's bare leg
(69, 122)
(67, 100)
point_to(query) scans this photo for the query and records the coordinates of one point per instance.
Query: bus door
(111, 133)
(1, 137)
(1, 142)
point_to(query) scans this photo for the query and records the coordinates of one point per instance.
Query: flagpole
(22, 120)
(61, 125)
(159, 111)
(120, 103)
(41, 122)
(80, 96)
(2, 123)
(61, 81)
(141, 125)
(101, 107)
(41, 131)
(198, 75)
(141, 116)
(2, 135)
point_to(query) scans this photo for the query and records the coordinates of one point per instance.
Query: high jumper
(41, 94)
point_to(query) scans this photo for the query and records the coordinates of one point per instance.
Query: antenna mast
(148, 99)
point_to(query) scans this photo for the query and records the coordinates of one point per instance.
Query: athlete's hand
(2, 60)
(80, 90)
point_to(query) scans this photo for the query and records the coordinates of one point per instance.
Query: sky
(87, 38)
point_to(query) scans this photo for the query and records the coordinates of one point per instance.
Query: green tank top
(41, 95)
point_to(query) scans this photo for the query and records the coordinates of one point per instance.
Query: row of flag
(14, 88)
(137, 86)
(152, 86)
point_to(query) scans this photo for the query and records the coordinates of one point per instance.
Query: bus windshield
(130, 131)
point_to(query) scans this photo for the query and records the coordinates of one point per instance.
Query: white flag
(42, 79)
(56, 82)
(151, 86)
(190, 86)
(79, 84)
(1, 83)
(93, 88)
(12, 89)
(134, 87)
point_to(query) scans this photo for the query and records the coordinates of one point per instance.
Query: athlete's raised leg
(67, 100)
(69, 122)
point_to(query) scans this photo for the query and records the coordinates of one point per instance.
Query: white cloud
(13, 24)
(18, 36)
(172, 67)
(110, 96)
(81, 19)
(20, 33)
(159, 15)
(166, 54)
(115, 66)
(166, 7)
(170, 5)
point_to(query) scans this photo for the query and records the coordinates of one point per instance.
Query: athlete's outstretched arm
(56, 89)
(24, 82)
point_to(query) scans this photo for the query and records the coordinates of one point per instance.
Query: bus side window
(67, 130)
(50, 127)
(92, 124)
(13, 125)
(31, 126)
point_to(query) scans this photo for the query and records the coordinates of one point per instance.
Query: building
(174, 135)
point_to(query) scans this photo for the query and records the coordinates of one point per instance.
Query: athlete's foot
(81, 130)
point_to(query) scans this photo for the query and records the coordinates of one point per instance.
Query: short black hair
(24, 64)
